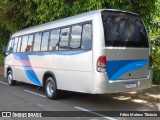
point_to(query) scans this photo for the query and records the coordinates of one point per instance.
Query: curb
(143, 96)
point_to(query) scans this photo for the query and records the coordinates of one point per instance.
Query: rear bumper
(106, 86)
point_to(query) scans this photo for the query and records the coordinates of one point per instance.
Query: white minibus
(98, 52)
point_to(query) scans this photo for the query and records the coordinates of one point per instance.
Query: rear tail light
(101, 64)
(150, 62)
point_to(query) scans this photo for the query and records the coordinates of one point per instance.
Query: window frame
(49, 30)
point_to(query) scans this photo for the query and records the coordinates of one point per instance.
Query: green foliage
(32, 12)
(19, 14)
(4, 36)
(156, 76)
(154, 34)
(1, 59)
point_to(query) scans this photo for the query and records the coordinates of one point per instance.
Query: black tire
(51, 89)
(10, 80)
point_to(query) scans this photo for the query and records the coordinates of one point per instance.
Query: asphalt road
(26, 97)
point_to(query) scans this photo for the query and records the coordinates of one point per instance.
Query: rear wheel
(11, 82)
(51, 89)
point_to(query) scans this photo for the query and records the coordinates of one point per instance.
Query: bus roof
(88, 16)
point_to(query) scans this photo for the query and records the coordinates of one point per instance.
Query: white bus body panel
(73, 70)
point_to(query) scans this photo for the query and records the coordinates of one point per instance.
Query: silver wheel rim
(50, 88)
(9, 78)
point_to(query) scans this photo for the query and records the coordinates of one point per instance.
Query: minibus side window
(44, 44)
(29, 45)
(37, 42)
(10, 46)
(19, 44)
(15, 44)
(75, 42)
(24, 43)
(54, 39)
(64, 38)
(87, 36)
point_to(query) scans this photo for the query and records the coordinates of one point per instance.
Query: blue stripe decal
(32, 76)
(116, 68)
(24, 60)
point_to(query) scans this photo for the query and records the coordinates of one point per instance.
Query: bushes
(1, 59)
(156, 76)
(156, 65)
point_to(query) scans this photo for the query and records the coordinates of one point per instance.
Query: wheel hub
(9, 78)
(50, 89)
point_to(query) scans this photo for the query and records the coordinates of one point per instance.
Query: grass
(1, 60)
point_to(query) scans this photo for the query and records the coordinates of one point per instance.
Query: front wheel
(51, 89)
(11, 82)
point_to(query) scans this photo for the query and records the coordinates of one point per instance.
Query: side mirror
(7, 51)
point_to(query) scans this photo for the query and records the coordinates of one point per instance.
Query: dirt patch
(1, 70)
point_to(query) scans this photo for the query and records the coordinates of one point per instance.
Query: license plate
(131, 85)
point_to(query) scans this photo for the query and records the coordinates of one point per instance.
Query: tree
(154, 34)
(18, 14)
(4, 36)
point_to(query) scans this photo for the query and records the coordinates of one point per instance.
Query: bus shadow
(100, 102)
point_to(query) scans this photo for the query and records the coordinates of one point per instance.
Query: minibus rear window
(124, 30)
